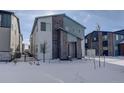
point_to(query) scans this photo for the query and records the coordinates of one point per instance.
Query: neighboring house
(23, 48)
(121, 48)
(104, 42)
(119, 42)
(63, 35)
(21, 40)
(9, 35)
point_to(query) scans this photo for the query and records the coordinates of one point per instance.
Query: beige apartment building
(10, 36)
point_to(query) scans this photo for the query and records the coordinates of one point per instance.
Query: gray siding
(77, 30)
(63, 45)
(4, 39)
(74, 28)
(116, 43)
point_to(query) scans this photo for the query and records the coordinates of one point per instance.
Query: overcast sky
(108, 20)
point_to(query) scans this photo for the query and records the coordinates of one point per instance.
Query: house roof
(122, 42)
(8, 12)
(98, 32)
(120, 32)
(11, 13)
(62, 15)
(52, 16)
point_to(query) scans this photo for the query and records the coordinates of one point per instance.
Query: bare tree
(99, 58)
(104, 60)
(98, 28)
(44, 50)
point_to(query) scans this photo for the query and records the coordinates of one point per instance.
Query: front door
(72, 49)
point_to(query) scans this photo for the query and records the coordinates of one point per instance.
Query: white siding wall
(34, 40)
(45, 36)
(14, 33)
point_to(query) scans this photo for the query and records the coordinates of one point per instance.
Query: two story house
(10, 35)
(64, 37)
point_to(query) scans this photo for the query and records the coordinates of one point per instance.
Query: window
(105, 52)
(43, 26)
(105, 43)
(122, 36)
(6, 20)
(0, 20)
(117, 37)
(94, 38)
(105, 37)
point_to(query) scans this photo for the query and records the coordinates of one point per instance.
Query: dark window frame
(5, 20)
(43, 26)
(105, 43)
(0, 19)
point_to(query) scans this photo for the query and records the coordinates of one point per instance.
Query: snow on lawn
(77, 71)
(113, 60)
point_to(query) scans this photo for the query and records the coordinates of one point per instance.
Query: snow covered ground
(77, 71)
(113, 60)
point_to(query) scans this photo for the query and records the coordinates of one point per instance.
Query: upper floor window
(94, 38)
(6, 20)
(122, 36)
(0, 20)
(105, 43)
(105, 37)
(117, 38)
(43, 26)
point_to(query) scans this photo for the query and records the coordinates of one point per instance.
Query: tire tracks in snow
(53, 77)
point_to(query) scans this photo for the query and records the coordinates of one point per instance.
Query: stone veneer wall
(100, 50)
(110, 45)
(57, 21)
(79, 50)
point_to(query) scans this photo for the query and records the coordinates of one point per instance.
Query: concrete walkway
(28, 59)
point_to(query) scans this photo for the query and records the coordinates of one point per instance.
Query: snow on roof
(122, 42)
